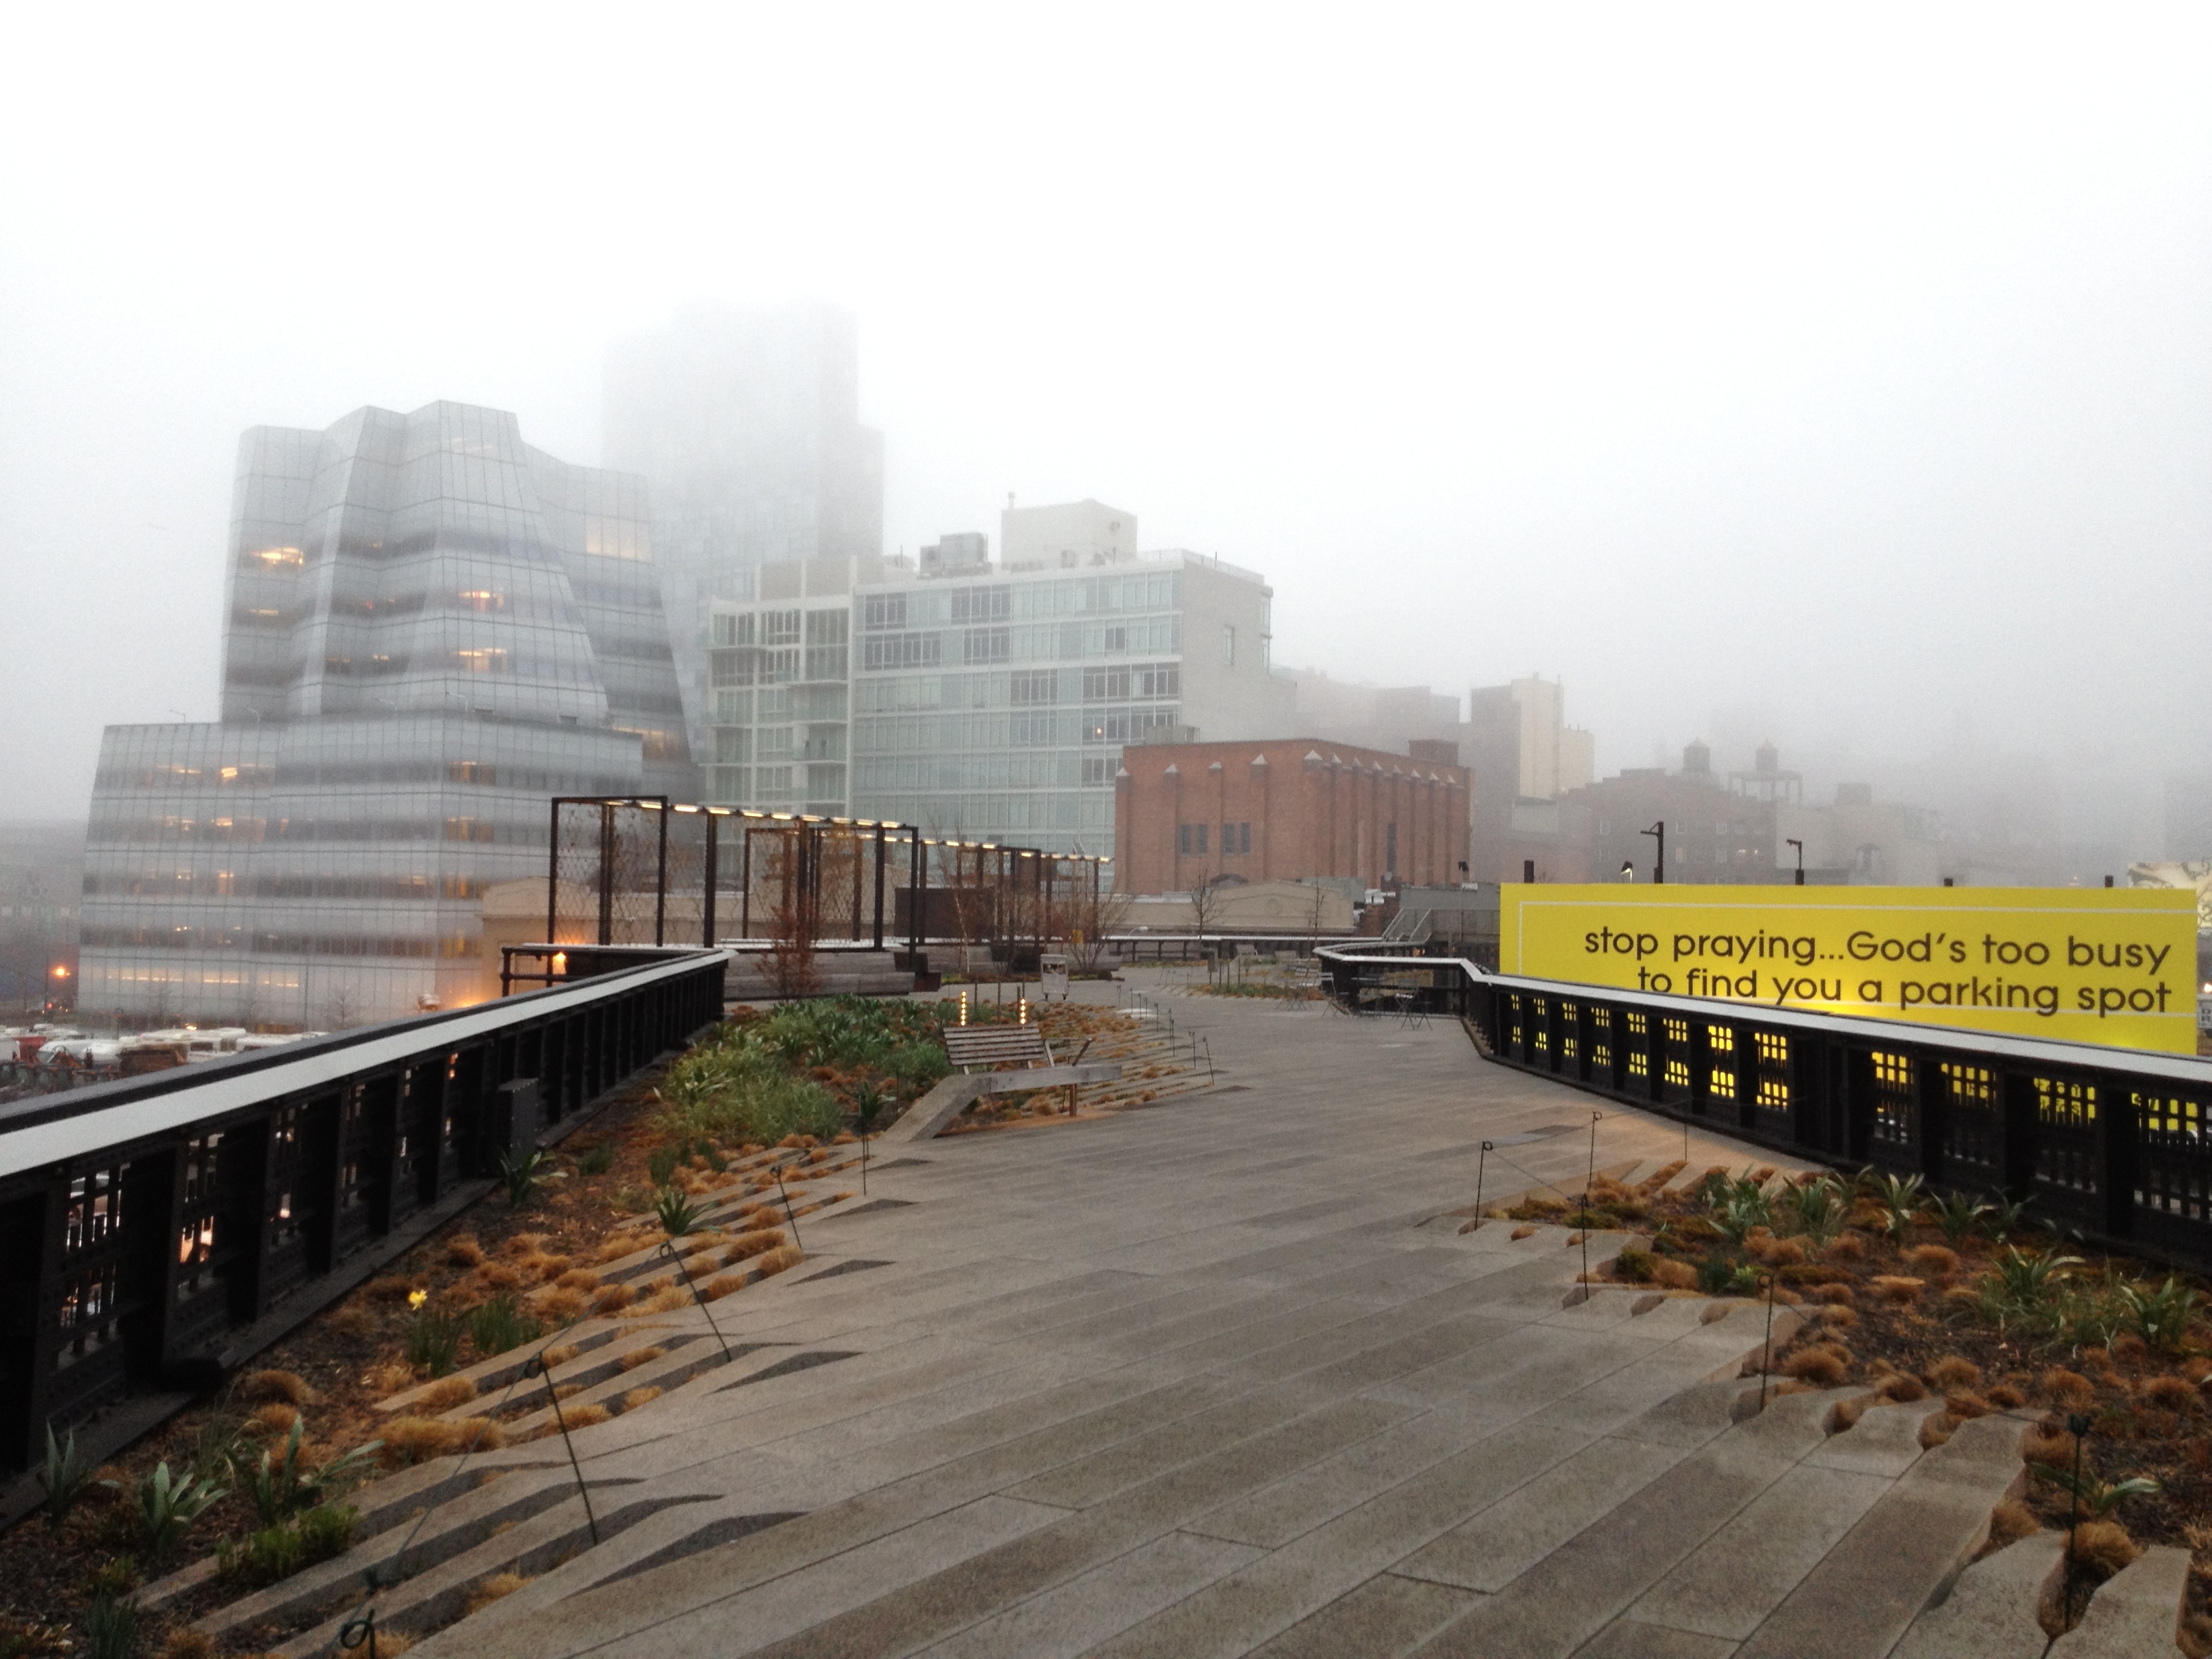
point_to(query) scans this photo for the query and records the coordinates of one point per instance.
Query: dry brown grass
(390, 1379)
(2069, 1388)
(723, 1285)
(352, 1321)
(1674, 1275)
(522, 1245)
(2104, 1546)
(1838, 1296)
(582, 1417)
(495, 1276)
(748, 1245)
(2046, 1444)
(289, 1387)
(670, 1298)
(578, 1278)
(1824, 1367)
(1933, 1261)
(499, 1585)
(560, 1303)
(1845, 1247)
(1778, 1252)
(274, 1419)
(1523, 1232)
(390, 1287)
(185, 1643)
(637, 1397)
(1898, 1387)
(1839, 1315)
(560, 1356)
(613, 1299)
(446, 1393)
(462, 1250)
(415, 1439)
(1936, 1428)
(1954, 1371)
(1964, 1404)
(1897, 1288)
(783, 1256)
(2007, 1398)
(620, 1245)
(2010, 1522)
(637, 1357)
(2169, 1393)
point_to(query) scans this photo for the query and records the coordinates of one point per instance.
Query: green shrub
(1634, 1265)
(595, 1160)
(167, 1505)
(110, 1628)
(64, 1478)
(660, 1163)
(434, 1339)
(499, 1324)
(1719, 1276)
(278, 1552)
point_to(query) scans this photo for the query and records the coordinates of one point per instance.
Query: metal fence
(2110, 1142)
(157, 1230)
(642, 870)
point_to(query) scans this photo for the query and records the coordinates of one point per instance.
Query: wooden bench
(986, 1048)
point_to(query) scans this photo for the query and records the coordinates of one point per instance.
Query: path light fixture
(1800, 845)
(1659, 864)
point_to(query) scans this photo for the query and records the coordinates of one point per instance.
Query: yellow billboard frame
(2111, 966)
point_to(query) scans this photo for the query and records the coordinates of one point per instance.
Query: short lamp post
(1658, 832)
(1800, 845)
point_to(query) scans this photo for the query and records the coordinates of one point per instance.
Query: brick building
(1292, 808)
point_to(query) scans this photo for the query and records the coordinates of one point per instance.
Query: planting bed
(1911, 1297)
(742, 1138)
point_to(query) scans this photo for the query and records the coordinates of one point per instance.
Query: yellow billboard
(2116, 966)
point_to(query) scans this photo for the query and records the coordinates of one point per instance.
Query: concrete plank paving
(1219, 1377)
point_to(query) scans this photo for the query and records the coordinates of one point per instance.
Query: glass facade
(986, 705)
(431, 627)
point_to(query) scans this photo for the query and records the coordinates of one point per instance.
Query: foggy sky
(1840, 377)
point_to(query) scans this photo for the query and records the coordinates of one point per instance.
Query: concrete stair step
(1991, 1612)
(2136, 1614)
(1902, 1553)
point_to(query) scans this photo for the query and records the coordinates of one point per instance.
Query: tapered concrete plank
(1089, 1480)
(1075, 1617)
(1384, 1616)
(1259, 1601)
(1991, 1609)
(1691, 1418)
(1624, 1638)
(1861, 1597)
(1885, 1441)
(2136, 1614)
(1295, 1505)
(1740, 1575)
(954, 1599)
(772, 1613)
(1490, 1550)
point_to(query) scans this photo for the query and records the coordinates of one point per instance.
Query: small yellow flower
(416, 1298)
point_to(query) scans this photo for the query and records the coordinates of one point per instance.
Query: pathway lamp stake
(2077, 1423)
(1481, 1158)
(1589, 1179)
(1767, 1353)
(781, 1193)
(536, 1367)
(355, 1632)
(683, 1272)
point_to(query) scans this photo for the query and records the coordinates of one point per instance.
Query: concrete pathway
(1217, 1377)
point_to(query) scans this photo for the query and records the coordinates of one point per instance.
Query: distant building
(1300, 809)
(431, 627)
(41, 884)
(1385, 717)
(1524, 760)
(982, 702)
(1068, 537)
(746, 425)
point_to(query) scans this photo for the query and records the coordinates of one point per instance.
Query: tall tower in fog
(746, 422)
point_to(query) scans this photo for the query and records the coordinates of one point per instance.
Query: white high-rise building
(746, 423)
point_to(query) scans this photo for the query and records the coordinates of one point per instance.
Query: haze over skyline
(1841, 381)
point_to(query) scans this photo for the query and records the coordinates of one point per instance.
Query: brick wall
(1289, 809)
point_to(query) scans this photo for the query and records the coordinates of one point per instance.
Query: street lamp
(1659, 866)
(1800, 845)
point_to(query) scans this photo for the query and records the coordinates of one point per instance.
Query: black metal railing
(157, 1230)
(2115, 1143)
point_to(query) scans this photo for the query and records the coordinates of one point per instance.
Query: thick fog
(1843, 378)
